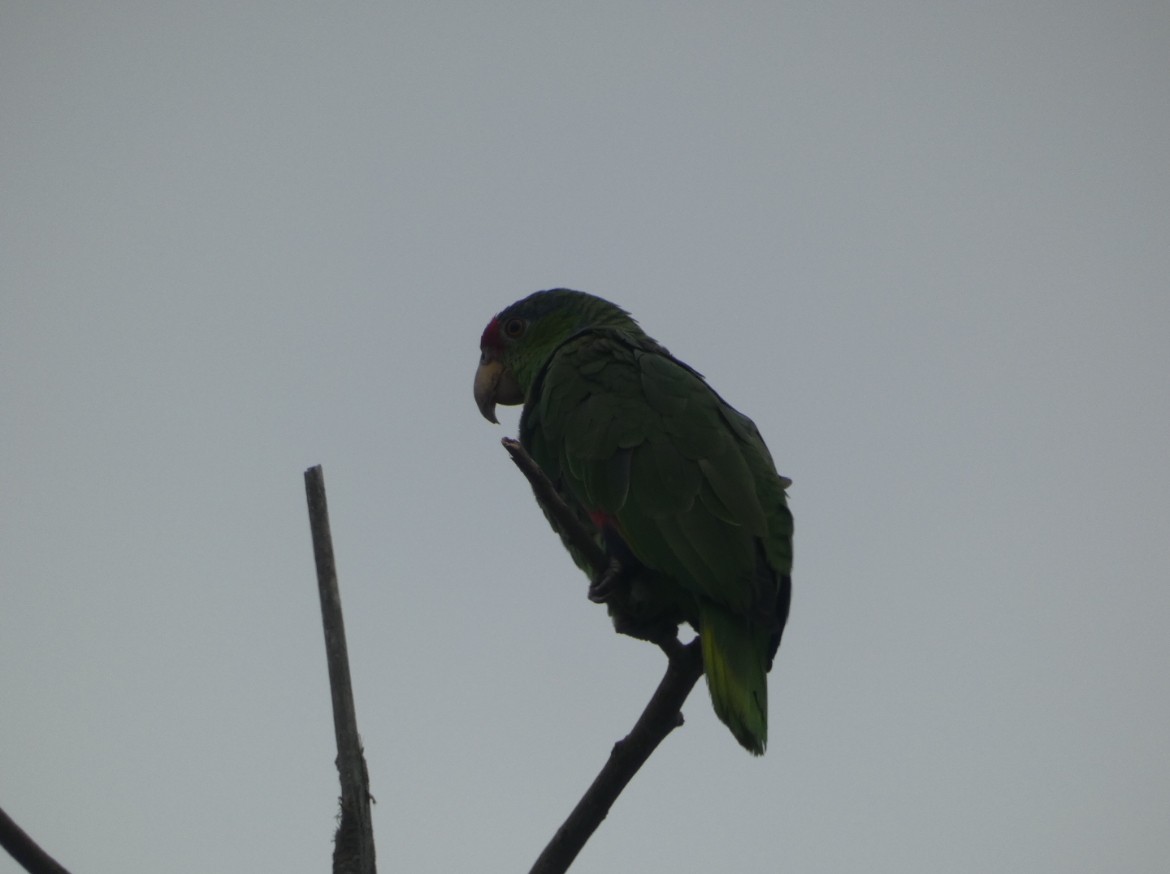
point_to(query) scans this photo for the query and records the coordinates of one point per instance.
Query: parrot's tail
(735, 660)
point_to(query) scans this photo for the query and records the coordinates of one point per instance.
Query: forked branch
(662, 715)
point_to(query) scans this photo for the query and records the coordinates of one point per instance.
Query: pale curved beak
(494, 384)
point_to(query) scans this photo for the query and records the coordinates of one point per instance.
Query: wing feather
(643, 438)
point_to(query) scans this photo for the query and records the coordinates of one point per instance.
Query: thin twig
(353, 848)
(25, 850)
(553, 503)
(662, 715)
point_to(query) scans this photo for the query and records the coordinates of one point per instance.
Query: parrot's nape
(677, 484)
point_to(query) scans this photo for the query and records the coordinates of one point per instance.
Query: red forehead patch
(491, 335)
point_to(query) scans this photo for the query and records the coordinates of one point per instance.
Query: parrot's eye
(513, 328)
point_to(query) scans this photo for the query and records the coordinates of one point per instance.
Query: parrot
(677, 485)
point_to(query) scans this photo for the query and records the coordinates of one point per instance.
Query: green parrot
(678, 485)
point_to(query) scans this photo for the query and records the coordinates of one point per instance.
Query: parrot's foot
(606, 586)
(627, 589)
(661, 632)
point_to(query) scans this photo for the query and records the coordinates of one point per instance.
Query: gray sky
(926, 246)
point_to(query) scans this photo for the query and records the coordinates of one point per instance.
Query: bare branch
(353, 845)
(25, 850)
(662, 715)
(553, 503)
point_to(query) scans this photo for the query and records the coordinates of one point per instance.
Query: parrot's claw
(660, 632)
(603, 587)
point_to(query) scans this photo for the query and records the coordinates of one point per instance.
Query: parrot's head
(520, 340)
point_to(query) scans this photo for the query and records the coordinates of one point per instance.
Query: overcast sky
(926, 246)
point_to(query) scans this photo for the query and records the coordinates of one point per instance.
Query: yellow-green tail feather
(735, 660)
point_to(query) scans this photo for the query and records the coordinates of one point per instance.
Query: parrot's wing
(641, 438)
